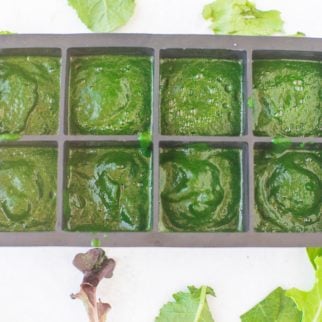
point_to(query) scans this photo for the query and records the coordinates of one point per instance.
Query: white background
(35, 283)
(151, 16)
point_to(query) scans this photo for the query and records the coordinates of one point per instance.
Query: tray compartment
(182, 71)
(107, 183)
(212, 159)
(287, 93)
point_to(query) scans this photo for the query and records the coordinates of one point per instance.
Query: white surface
(35, 283)
(151, 16)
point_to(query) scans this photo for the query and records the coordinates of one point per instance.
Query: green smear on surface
(110, 95)
(310, 145)
(299, 34)
(29, 95)
(281, 143)
(250, 103)
(200, 189)
(28, 189)
(103, 15)
(10, 137)
(288, 189)
(201, 96)
(145, 141)
(287, 96)
(108, 189)
(95, 243)
(241, 17)
(276, 307)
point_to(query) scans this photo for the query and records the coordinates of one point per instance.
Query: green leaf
(313, 253)
(241, 17)
(310, 303)
(5, 32)
(276, 307)
(191, 306)
(103, 15)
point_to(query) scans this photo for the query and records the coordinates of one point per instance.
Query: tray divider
(250, 222)
(62, 157)
(155, 141)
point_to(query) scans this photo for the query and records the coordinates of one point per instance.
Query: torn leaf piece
(313, 253)
(310, 303)
(103, 15)
(241, 17)
(191, 306)
(276, 307)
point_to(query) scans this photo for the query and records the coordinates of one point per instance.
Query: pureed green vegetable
(287, 98)
(288, 189)
(200, 188)
(201, 96)
(28, 188)
(110, 94)
(108, 189)
(29, 94)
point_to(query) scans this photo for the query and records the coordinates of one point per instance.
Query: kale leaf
(241, 17)
(103, 15)
(191, 306)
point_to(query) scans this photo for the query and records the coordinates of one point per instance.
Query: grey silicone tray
(243, 48)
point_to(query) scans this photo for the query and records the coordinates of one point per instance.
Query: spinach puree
(287, 98)
(108, 189)
(28, 188)
(110, 94)
(288, 190)
(201, 96)
(29, 94)
(200, 189)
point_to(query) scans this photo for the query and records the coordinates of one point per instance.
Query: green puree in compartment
(287, 98)
(200, 189)
(201, 96)
(28, 188)
(29, 94)
(108, 189)
(110, 94)
(288, 190)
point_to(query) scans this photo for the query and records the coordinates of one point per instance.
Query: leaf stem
(203, 294)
